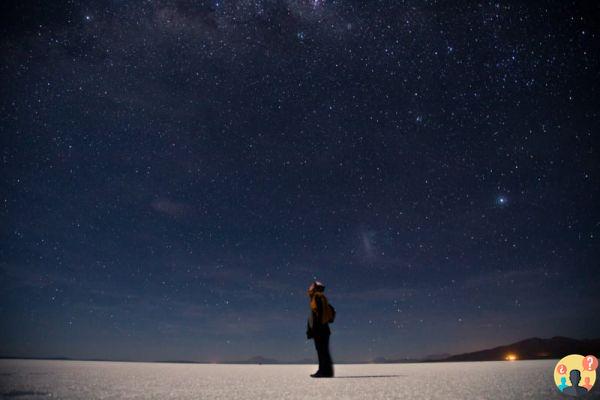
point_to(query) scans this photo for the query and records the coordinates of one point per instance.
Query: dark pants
(322, 346)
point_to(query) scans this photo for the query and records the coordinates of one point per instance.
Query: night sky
(176, 173)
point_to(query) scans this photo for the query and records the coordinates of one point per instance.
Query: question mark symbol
(590, 363)
(561, 369)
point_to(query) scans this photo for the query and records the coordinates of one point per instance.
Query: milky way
(175, 173)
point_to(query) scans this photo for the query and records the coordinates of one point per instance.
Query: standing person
(575, 390)
(317, 328)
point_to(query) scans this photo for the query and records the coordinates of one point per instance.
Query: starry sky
(176, 172)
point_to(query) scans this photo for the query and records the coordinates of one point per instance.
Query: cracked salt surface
(41, 379)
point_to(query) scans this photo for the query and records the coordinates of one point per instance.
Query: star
(501, 200)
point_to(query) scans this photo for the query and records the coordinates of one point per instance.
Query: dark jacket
(314, 327)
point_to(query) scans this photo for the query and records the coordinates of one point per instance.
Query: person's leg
(327, 368)
(320, 354)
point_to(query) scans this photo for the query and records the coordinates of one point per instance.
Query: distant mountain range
(528, 349)
(533, 349)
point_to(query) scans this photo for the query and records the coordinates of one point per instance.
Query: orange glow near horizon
(511, 357)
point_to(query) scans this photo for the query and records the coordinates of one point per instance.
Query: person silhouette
(563, 383)
(587, 383)
(575, 390)
(317, 328)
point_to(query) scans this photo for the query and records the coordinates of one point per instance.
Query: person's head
(575, 377)
(563, 380)
(587, 380)
(314, 287)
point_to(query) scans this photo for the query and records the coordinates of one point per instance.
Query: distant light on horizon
(511, 357)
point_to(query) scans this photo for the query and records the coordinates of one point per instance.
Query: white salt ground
(88, 380)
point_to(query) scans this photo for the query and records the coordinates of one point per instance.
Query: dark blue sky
(175, 173)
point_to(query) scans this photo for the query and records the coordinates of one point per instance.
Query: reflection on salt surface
(89, 380)
(369, 376)
(20, 393)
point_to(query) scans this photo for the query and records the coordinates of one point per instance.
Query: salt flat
(41, 379)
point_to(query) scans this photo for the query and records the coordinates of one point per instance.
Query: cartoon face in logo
(575, 375)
